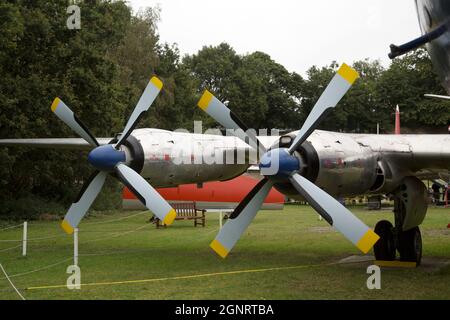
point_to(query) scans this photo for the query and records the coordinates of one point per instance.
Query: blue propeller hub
(105, 158)
(278, 163)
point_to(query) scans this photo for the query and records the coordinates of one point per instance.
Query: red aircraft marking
(227, 191)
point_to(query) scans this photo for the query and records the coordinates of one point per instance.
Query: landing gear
(384, 249)
(410, 208)
(410, 245)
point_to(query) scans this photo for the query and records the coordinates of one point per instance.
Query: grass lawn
(113, 249)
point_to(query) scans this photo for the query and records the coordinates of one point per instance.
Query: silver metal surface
(174, 158)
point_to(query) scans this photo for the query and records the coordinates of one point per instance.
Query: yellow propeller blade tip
(205, 100)
(367, 241)
(55, 104)
(67, 227)
(219, 248)
(348, 73)
(156, 82)
(168, 219)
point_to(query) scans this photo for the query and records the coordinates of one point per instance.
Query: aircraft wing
(81, 144)
(53, 143)
(425, 156)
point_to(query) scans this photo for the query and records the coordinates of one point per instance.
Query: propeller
(111, 158)
(281, 165)
(62, 111)
(220, 112)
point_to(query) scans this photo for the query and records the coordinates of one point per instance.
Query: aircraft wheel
(410, 245)
(384, 249)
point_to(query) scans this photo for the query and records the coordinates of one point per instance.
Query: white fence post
(75, 247)
(24, 242)
(220, 219)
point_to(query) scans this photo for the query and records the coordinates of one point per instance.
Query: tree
(41, 59)
(405, 83)
(259, 91)
(361, 104)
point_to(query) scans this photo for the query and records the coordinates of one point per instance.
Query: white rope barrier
(12, 284)
(39, 269)
(25, 240)
(36, 239)
(12, 227)
(102, 231)
(114, 220)
(110, 253)
(119, 232)
(88, 223)
(7, 249)
(76, 254)
(116, 235)
(64, 236)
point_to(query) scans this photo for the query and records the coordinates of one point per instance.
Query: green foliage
(30, 207)
(110, 197)
(259, 90)
(405, 82)
(40, 60)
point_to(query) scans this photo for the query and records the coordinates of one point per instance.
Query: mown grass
(132, 249)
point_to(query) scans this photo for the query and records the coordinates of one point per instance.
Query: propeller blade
(150, 93)
(86, 197)
(63, 112)
(146, 194)
(336, 89)
(335, 213)
(241, 218)
(219, 112)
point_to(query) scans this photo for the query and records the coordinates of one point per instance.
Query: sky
(295, 33)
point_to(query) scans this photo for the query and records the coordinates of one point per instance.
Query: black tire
(410, 245)
(384, 249)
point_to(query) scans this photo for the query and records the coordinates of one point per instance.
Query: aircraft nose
(105, 158)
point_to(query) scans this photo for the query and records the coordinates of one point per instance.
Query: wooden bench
(187, 211)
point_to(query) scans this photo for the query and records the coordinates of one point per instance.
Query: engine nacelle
(336, 163)
(167, 158)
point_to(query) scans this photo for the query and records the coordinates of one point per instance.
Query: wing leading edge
(54, 143)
